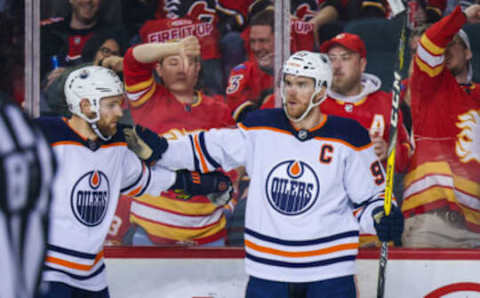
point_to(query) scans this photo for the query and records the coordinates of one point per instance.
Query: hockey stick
(398, 8)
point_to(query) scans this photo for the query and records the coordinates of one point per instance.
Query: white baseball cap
(466, 41)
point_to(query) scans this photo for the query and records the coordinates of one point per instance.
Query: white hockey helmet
(92, 83)
(311, 65)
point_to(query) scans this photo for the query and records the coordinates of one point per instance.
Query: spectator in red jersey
(173, 108)
(357, 95)
(442, 187)
(66, 37)
(251, 82)
(301, 31)
(163, 30)
(221, 44)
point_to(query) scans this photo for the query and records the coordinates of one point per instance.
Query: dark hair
(258, 6)
(97, 40)
(264, 17)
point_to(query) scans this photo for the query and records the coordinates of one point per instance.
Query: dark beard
(107, 131)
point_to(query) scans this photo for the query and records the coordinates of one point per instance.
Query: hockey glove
(146, 144)
(216, 185)
(389, 228)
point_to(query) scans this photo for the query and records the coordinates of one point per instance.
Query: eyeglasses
(108, 52)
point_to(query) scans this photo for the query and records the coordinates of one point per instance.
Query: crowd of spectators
(438, 152)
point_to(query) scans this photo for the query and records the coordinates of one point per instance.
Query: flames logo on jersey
(292, 187)
(204, 11)
(468, 140)
(90, 198)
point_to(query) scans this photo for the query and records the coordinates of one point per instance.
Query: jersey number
(377, 172)
(115, 226)
(22, 179)
(234, 83)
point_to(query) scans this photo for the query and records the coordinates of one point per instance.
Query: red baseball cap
(350, 41)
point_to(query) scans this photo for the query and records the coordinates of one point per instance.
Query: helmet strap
(98, 133)
(311, 105)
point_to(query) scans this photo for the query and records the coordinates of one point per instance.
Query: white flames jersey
(90, 178)
(304, 187)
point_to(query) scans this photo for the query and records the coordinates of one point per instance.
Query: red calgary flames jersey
(205, 11)
(248, 82)
(170, 219)
(153, 106)
(373, 113)
(445, 169)
(163, 30)
(120, 222)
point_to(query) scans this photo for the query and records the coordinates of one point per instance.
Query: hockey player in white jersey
(95, 166)
(308, 172)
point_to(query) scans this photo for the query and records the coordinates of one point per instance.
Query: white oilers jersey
(91, 177)
(299, 224)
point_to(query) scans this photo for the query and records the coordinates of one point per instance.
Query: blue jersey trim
(269, 118)
(364, 206)
(136, 181)
(146, 184)
(201, 139)
(270, 262)
(196, 163)
(57, 130)
(369, 201)
(344, 129)
(75, 276)
(301, 242)
(70, 252)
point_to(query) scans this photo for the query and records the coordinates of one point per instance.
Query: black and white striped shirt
(27, 167)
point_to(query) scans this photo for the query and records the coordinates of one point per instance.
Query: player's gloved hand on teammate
(389, 228)
(215, 185)
(146, 144)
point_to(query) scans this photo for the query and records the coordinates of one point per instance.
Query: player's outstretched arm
(153, 52)
(146, 144)
(215, 185)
